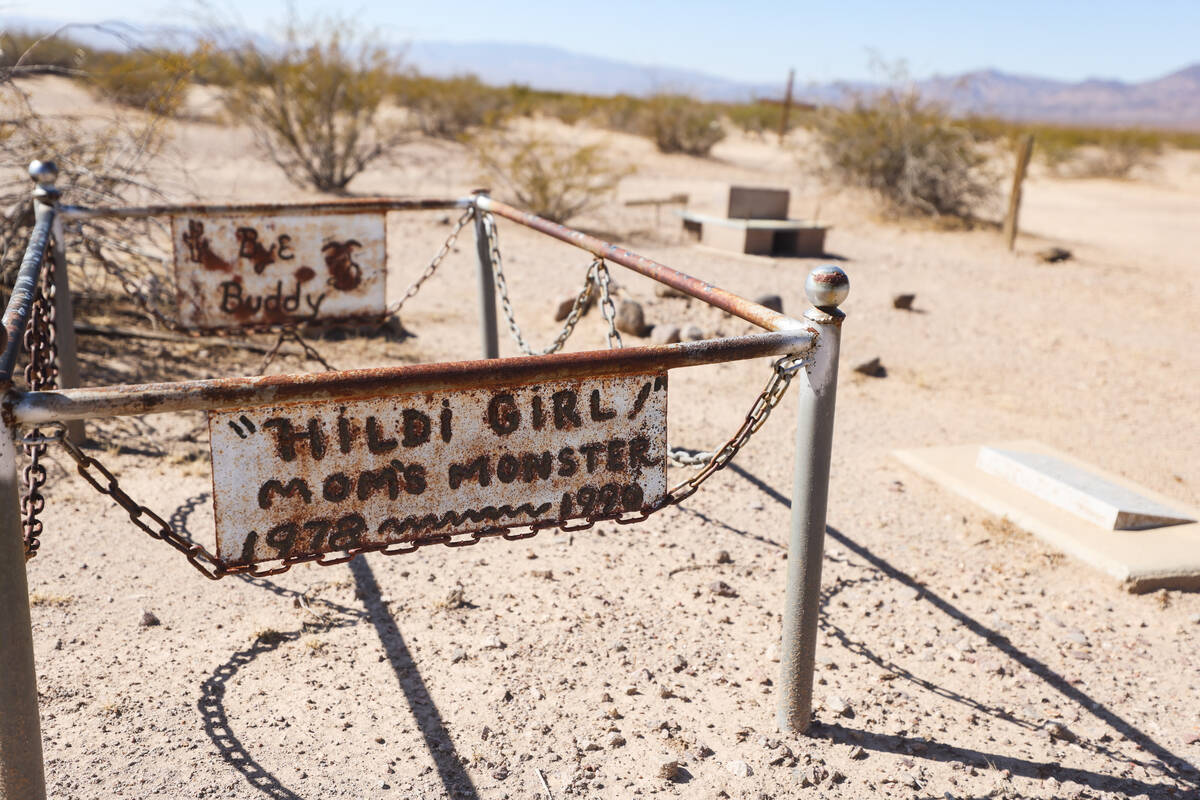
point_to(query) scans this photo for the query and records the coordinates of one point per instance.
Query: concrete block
(1080, 491)
(755, 202)
(1142, 560)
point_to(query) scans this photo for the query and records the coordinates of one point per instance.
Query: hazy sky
(758, 40)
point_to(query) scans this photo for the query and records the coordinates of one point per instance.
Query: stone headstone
(755, 202)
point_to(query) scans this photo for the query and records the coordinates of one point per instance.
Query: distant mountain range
(1172, 101)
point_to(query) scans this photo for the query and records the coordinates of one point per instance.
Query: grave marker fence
(326, 466)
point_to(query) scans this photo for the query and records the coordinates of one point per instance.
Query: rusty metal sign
(267, 269)
(315, 477)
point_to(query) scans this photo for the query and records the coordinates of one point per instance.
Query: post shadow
(454, 778)
(211, 704)
(1179, 768)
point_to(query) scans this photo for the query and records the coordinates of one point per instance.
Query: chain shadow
(1176, 766)
(212, 692)
(454, 778)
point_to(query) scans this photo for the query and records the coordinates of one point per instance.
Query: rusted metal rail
(26, 408)
(357, 205)
(811, 343)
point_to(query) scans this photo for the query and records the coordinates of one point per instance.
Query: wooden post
(1024, 153)
(787, 106)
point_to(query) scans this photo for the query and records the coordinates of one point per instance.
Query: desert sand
(958, 657)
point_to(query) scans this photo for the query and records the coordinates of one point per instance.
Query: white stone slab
(1142, 560)
(1079, 491)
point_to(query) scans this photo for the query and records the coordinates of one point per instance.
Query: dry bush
(313, 103)
(1117, 155)
(554, 180)
(680, 124)
(909, 152)
(100, 163)
(451, 107)
(153, 80)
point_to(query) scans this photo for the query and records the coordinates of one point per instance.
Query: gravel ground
(958, 657)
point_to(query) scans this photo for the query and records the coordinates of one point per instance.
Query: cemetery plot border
(615, 423)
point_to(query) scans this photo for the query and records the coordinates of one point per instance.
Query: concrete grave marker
(1079, 491)
(1073, 506)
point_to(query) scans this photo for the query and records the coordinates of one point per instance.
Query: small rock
(771, 301)
(665, 334)
(455, 598)
(500, 774)
(505, 695)
(857, 753)
(148, 620)
(615, 740)
(693, 333)
(722, 589)
(1077, 636)
(1058, 730)
(680, 664)
(722, 557)
(565, 303)
(612, 713)
(836, 776)
(606, 698)
(590, 747)
(544, 574)
(537, 694)
(903, 301)
(670, 770)
(493, 643)
(704, 751)
(662, 290)
(631, 318)
(836, 705)
(771, 653)
(458, 655)
(1052, 255)
(739, 768)
(873, 368)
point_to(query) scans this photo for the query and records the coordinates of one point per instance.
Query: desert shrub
(755, 118)
(54, 52)
(316, 112)
(153, 80)
(907, 151)
(449, 108)
(106, 162)
(680, 124)
(1116, 155)
(555, 180)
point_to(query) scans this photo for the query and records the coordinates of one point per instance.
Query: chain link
(441, 254)
(782, 373)
(41, 372)
(597, 276)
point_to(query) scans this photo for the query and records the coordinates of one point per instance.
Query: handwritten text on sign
(238, 271)
(327, 476)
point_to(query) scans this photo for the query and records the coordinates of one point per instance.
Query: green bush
(909, 152)
(554, 180)
(680, 124)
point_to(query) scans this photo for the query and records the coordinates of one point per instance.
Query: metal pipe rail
(357, 205)
(24, 408)
(16, 313)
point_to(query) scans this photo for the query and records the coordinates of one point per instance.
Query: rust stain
(230, 268)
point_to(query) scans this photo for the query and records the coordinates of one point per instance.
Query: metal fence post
(826, 288)
(22, 775)
(487, 284)
(44, 174)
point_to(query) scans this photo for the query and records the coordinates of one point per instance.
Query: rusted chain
(40, 373)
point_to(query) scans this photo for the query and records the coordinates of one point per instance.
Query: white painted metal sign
(268, 269)
(328, 476)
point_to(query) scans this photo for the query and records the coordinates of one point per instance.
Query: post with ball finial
(826, 288)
